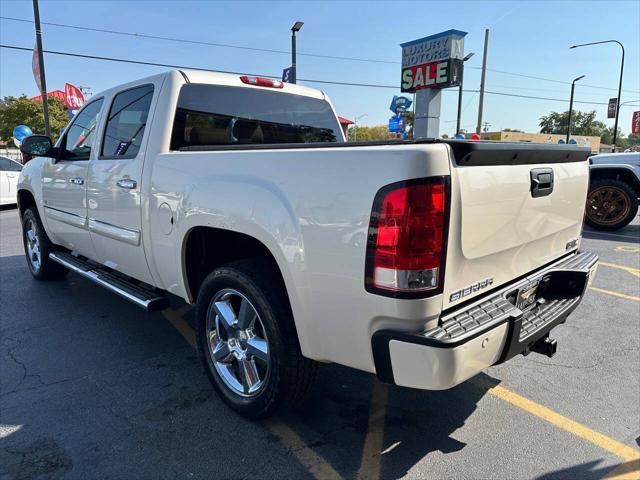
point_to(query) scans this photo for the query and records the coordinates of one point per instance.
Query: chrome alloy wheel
(32, 241)
(237, 342)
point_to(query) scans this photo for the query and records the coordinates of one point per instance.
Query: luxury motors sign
(432, 62)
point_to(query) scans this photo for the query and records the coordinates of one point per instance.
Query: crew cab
(421, 261)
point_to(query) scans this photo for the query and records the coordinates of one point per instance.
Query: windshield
(222, 115)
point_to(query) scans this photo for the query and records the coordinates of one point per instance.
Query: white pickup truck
(423, 261)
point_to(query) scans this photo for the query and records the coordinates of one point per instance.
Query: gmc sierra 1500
(421, 261)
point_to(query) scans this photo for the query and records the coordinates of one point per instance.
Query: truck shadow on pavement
(91, 386)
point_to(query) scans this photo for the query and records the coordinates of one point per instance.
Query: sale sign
(74, 98)
(431, 75)
(432, 62)
(635, 123)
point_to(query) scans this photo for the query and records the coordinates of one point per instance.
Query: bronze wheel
(611, 204)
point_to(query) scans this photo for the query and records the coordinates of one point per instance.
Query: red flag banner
(74, 98)
(35, 66)
(635, 122)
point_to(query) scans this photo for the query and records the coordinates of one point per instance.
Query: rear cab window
(210, 115)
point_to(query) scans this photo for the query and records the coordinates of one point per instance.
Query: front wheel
(37, 247)
(611, 204)
(247, 340)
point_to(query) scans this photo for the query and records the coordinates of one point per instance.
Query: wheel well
(621, 174)
(207, 248)
(25, 201)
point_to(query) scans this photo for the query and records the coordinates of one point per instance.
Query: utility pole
(296, 28)
(484, 72)
(43, 82)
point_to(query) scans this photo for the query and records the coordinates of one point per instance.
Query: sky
(526, 38)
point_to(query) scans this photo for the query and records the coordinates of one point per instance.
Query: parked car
(614, 190)
(421, 261)
(9, 172)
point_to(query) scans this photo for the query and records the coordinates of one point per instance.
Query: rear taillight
(405, 251)
(261, 81)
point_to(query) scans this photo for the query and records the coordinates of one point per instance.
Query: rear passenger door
(114, 197)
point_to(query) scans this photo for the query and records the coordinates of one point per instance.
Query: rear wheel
(37, 247)
(611, 204)
(247, 340)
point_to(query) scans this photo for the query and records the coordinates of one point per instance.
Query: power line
(197, 42)
(268, 50)
(552, 80)
(310, 80)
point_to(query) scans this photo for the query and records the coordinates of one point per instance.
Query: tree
(582, 123)
(25, 111)
(379, 132)
(512, 130)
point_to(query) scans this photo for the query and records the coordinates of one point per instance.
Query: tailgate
(514, 208)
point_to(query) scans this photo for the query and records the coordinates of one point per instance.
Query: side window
(126, 123)
(82, 132)
(14, 166)
(4, 164)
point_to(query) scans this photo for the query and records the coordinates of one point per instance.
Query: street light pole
(573, 85)
(460, 91)
(615, 127)
(296, 28)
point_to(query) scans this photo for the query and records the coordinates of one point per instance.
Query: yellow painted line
(179, 324)
(627, 453)
(317, 465)
(372, 449)
(625, 471)
(631, 270)
(615, 294)
(313, 462)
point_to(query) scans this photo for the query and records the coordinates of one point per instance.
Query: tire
(37, 247)
(269, 348)
(611, 204)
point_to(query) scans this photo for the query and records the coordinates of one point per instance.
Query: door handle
(77, 180)
(127, 183)
(541, 182)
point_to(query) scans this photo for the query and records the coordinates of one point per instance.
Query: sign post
(430, 64)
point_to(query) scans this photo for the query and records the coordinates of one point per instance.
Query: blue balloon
(561, 142)
(573, 141)
(21, 131)
(459, 136)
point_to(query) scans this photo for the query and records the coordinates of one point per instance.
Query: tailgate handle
(541, 182)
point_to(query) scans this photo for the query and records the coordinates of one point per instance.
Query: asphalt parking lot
(91, 387)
